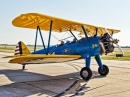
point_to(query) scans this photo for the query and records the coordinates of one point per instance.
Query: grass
(111, 56)
(7, 48)
(11, 48)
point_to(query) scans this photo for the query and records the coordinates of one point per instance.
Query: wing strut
(85, 32)
(73, 35)
(49, 38)
(36, 40)
(38, 29)
(96, 32)
(42, 39)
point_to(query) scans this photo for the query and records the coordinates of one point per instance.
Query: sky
(105, 13)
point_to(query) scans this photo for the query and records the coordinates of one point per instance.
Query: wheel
(103, 71)
(86, 73)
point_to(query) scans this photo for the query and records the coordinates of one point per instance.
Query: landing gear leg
(103, 70)
(86, 72)
(23, 67)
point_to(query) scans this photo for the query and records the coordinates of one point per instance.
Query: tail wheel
(86, 73)
(103, 71)
(23, 67)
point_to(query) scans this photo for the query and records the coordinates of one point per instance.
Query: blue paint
(83, 47)
(42, 39)
(96, 32)
(49, 37)
(74, 35)
(88, 60)
(97, 58)
(78, 48)
(84, 32)
(36, 40)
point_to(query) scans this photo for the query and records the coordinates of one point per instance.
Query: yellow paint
(32, 20)
(94, 45)
(24, 48)
(25, 58)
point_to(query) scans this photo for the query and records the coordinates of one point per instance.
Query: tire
(104, 71)
(86, 73)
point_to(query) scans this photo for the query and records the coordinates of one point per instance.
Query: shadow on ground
(28, 83)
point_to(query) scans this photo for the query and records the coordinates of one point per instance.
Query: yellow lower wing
(28, 59)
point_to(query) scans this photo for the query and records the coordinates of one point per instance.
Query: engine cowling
(107, 43)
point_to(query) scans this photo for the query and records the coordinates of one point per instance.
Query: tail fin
(21, 49)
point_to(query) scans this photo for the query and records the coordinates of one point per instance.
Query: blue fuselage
(83, 47)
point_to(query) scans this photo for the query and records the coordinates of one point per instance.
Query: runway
(62, 79)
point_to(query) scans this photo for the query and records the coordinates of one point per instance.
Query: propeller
(115, 41)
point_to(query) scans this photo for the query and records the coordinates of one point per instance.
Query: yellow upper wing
(32, 20)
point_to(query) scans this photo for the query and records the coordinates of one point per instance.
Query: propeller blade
(119, 48)
(115, 43)
(108, 33)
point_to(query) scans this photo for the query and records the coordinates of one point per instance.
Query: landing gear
(103, 71)
(23, 67)
(86, 73)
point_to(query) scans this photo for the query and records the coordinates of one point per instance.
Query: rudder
(21, 49)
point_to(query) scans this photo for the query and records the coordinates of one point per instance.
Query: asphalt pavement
(63, 80)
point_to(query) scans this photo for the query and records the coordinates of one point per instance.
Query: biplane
(96, 41)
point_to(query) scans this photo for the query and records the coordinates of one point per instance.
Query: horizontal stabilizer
(10, 56)
(20, 50)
